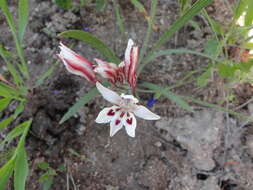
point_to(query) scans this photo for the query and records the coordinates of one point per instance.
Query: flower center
(127, 104)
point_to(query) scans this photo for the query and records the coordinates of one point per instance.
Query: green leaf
(11, 23)
(100, 4)
(21, 169)
(4, 103)
(202, 80)
(226, 69)
(45, 75)
(157, 54)
(249, 14)
(178, 100)
(5, 173)
(166, 93)
(217, 107)
(17, 131)
(138, 5)
(189, 14)
(43, 165)
(241, 7)
(93, 42)
(81, 102)
(4, 123)
(212, 47)
(23, 14)
(119, 19)
(65, 4)
(47, 184)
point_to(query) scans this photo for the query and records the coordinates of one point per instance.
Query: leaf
(189, 14)
(100, 4)
(178, 100)
(47, 184)
(202, 80)
(249, 14)
(11, 23)
(119, 19)
(81, 102)
(23, 14)
(43, 165)
(211, 47)
(21, 169)
(5, 173)
(45, 75)
(165, 92)
(217, 107)
(65, 4)
(139, 6)
(160, 53)
(4, 103)
(17, 131)
(241, 7)
(93, 42)
(4, 123)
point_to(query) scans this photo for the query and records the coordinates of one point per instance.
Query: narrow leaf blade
(21, 169)
(23, 14)
(93, 42)
(81, 102)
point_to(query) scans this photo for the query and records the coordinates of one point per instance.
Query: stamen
(122, 114)
(111, 112)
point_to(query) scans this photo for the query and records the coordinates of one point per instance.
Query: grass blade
(4, 103)
(149, 30)
(170, 51)
(189, 14)
(23, 14)
(171, 96)
(45, 75)
(21, 169)
(93, 42)
(119, 19)
(5, 173)
(10, 21)
(81, 102)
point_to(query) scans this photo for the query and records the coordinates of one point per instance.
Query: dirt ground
(204, 150)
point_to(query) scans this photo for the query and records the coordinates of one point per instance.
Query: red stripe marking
(90, 76)
(111, 112)
(122, 114)
(129, 121)
(117, 122)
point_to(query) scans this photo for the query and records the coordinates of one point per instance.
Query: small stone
(158, 144)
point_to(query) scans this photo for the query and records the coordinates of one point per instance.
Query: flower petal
(132, 67)
(116, 124)
(129, 48)
(130, 124)
(106, 115)
(144, 113)
(76, 64)
(108, 94)
(106, 70)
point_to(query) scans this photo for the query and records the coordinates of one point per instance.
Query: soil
(204, 150)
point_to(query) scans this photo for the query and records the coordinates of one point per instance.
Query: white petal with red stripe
(76, 64)
(106, 115)
(130, 124)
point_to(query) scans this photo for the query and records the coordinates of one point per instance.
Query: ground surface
(204, 150)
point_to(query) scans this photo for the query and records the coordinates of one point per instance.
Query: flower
(76, 64)
(123, 111)
(151, 102)
(125, 71)
(131, 60)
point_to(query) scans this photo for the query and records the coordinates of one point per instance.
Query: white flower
(123, 112)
